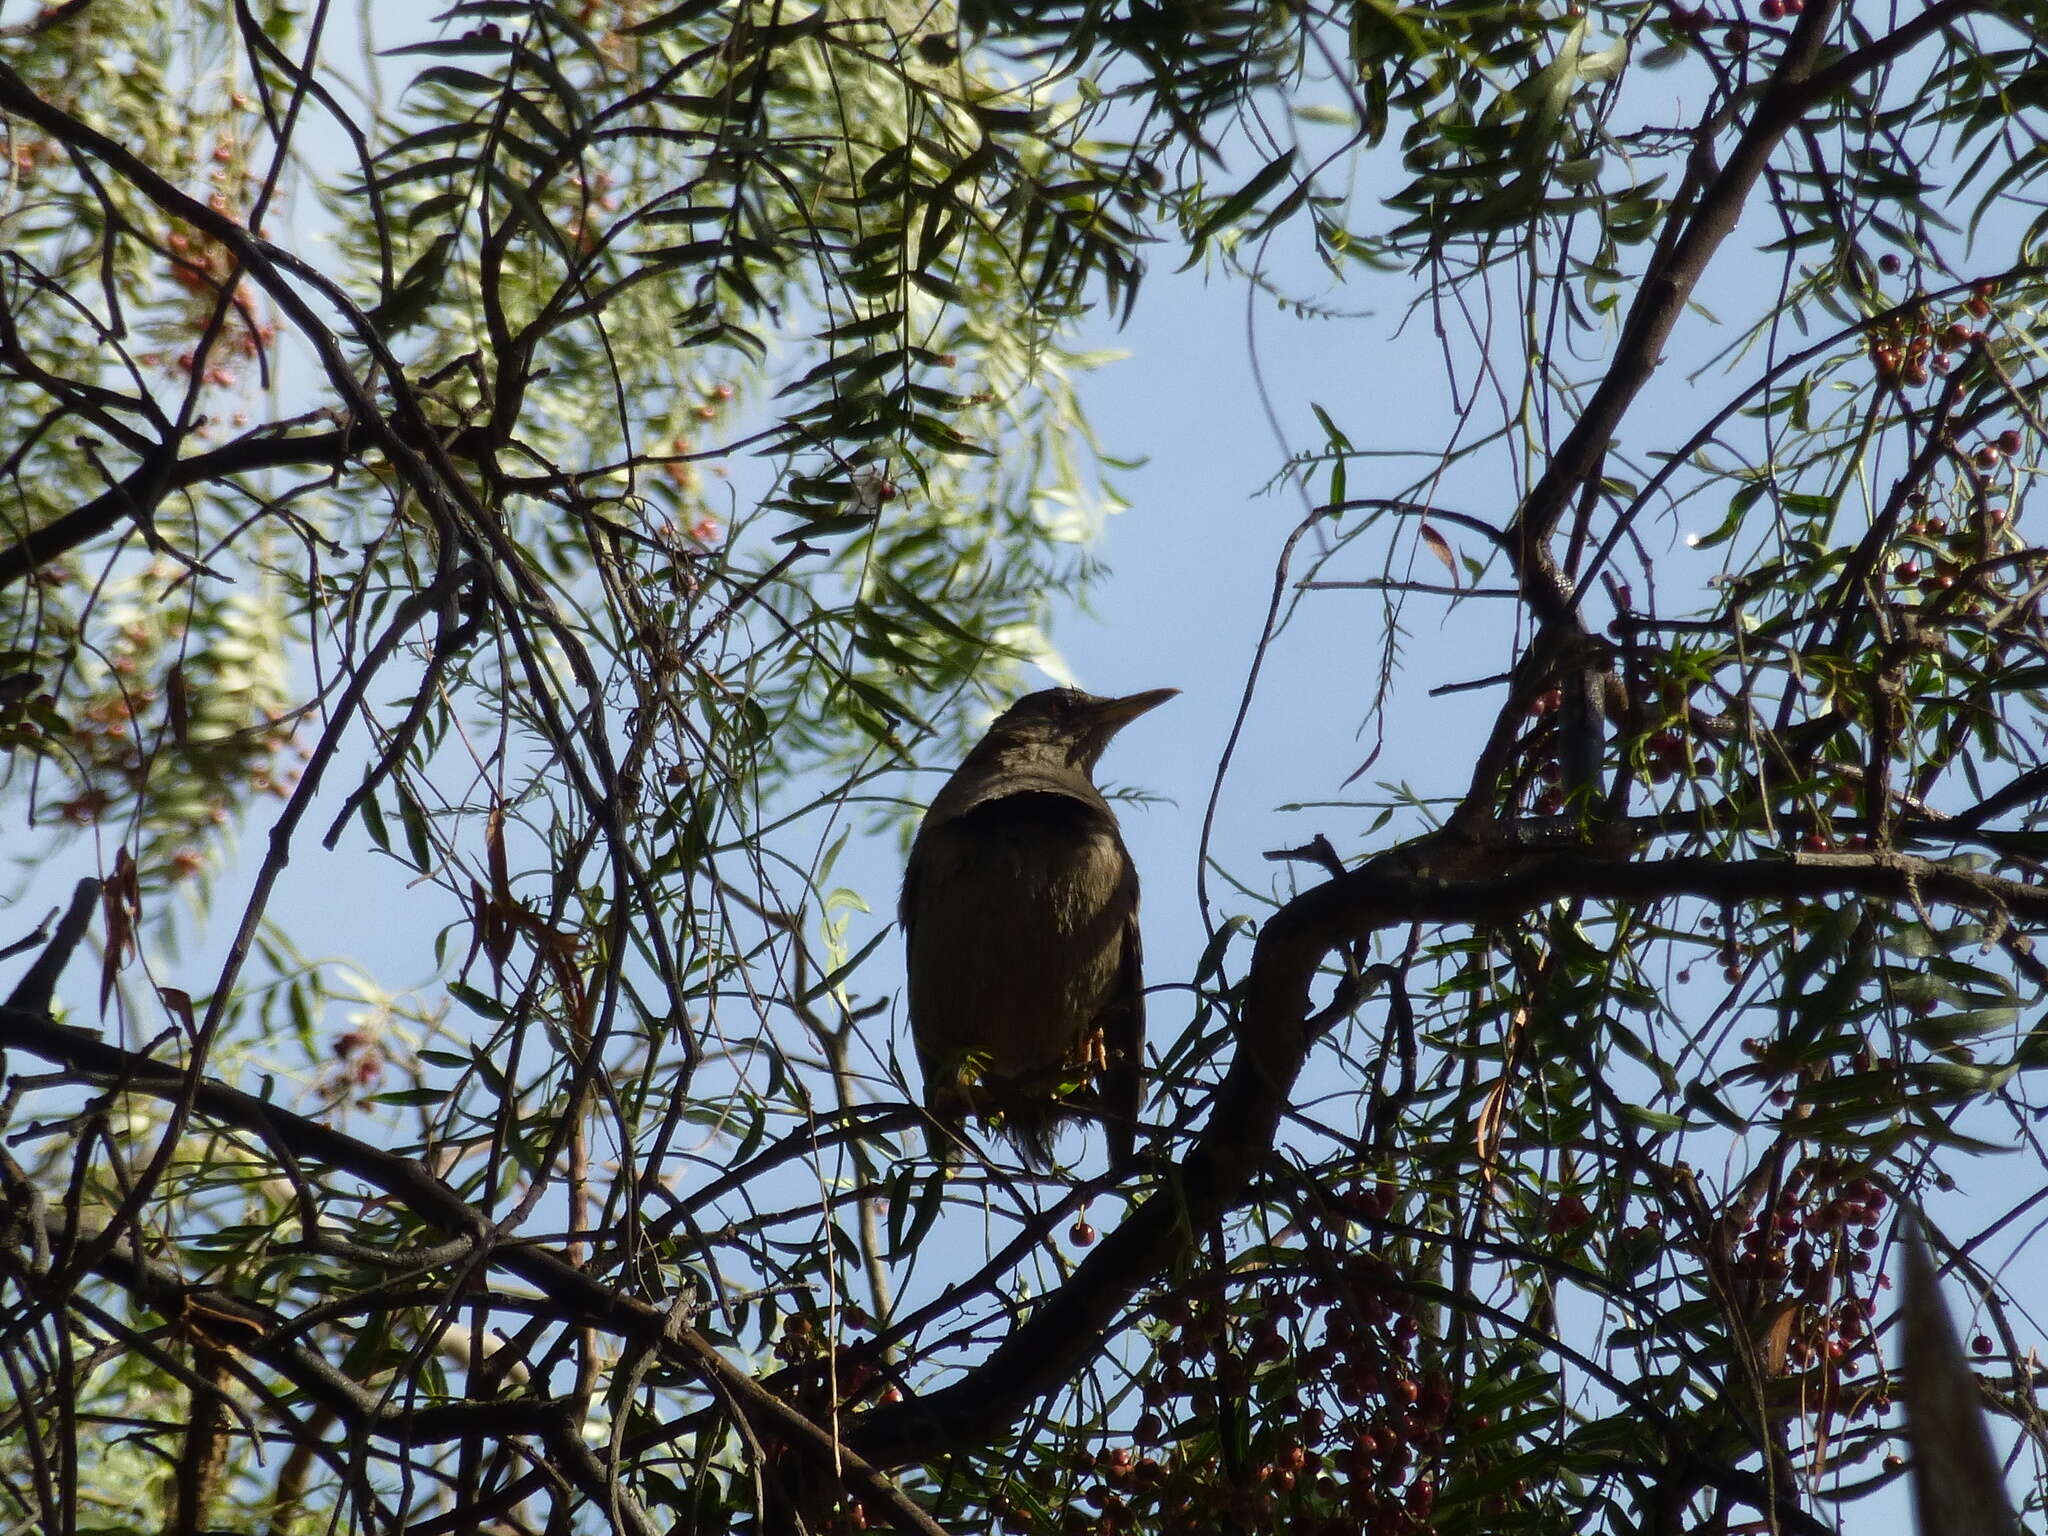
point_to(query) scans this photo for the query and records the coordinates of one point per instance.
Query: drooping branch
(404, 432)
(580, 1299)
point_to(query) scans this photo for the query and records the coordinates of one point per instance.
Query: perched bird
(1020, 912)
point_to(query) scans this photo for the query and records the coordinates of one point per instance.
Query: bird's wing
(1122, 1087)
(923, 852)
(906, 902)
(941, 1135)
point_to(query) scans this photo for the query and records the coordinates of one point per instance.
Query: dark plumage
(1020, 913)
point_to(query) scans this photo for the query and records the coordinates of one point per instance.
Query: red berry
(1567, 1213)
(2008, 442)
(1771, 10)
(1080, 1234)
(1987, 456)
(1889, 264)
(1981, 1344)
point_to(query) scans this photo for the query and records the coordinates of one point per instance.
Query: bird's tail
(1031, 1130)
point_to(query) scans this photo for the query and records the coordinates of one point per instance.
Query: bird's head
(1066, 723)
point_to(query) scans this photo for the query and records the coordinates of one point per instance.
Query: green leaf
(909, 1221)
(478, 1003)
(1703, 1098)
(1244, 198)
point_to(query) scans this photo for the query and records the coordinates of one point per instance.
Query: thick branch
(140, 492)
(1665, 290)
(1065, 1331)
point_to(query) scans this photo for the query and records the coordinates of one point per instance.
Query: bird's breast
(1018, 930)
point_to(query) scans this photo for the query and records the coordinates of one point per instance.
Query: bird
(1020, 919)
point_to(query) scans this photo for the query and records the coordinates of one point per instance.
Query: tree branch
(1660, 300)
(1064, 1331)
(583, 1300)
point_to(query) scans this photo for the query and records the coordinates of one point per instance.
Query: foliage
(578, 451)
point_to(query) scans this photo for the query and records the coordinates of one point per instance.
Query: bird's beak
(1112, 715)
(1108, 716)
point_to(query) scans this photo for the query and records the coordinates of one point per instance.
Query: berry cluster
(1302, 1399)
(161, 712)
(1963, 555)
(1809, 1246)
(1910, 349)
(205, 268)
(206, 273)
